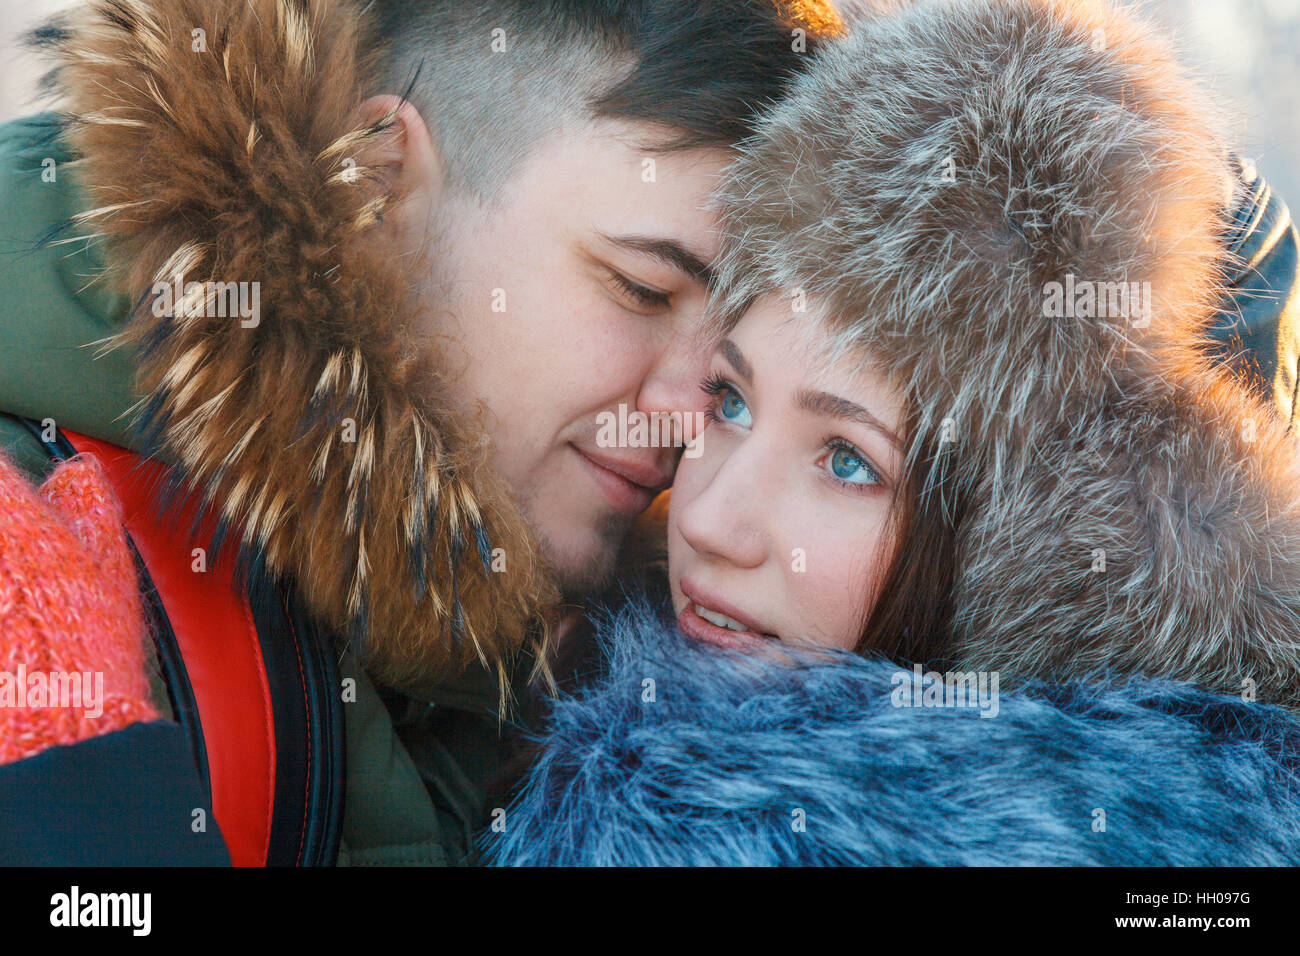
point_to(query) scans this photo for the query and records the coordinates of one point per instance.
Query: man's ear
(405, 157)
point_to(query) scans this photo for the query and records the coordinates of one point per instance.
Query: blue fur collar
(683, 755)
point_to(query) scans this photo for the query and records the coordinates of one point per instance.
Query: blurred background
(1248, 51)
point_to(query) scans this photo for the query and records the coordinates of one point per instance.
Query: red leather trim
(218, 641)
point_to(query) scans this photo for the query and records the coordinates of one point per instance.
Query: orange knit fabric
(69, 605)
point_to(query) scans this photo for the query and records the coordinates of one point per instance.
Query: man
(377, 274)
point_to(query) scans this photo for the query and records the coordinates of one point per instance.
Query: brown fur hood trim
(1119, 503)
(215, 142)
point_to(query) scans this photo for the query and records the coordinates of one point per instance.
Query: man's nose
(672, 384)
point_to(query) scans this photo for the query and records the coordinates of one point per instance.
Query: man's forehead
(603, 178)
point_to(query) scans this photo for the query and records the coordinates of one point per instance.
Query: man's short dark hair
(491, 77)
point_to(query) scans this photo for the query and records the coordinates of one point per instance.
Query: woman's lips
(623, 494)
(697, 628)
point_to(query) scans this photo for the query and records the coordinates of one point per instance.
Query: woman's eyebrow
(731, 352)
(833, 406)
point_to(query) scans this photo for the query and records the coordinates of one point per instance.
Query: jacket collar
(319, 429)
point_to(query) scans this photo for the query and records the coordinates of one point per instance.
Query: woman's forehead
(771, 341)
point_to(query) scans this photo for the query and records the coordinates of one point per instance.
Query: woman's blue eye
(733, 409)
(852, 468)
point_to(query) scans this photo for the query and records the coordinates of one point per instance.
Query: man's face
(576, 294)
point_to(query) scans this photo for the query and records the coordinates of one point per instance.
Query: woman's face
(780, 527)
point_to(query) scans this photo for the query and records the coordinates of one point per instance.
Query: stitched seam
(306, 706)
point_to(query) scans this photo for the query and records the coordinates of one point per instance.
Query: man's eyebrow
(731, 352)
(834, 406)
(668, 251)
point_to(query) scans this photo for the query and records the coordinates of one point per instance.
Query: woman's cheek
(844, 561)
(693, 475)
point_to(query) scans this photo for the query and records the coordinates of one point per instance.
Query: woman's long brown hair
(911, 617)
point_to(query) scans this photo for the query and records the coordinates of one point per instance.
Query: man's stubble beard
(580, 576)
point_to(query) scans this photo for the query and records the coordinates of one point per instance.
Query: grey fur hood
(946, 185)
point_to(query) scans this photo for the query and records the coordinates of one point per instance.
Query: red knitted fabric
(69, 605)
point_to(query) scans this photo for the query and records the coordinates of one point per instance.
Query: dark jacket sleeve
(1257, 331)
(127, 798)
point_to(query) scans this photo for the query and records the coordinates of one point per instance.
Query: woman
(959, 418)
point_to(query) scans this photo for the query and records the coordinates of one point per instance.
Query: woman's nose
(724, 520)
